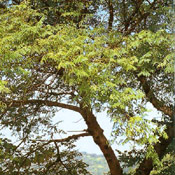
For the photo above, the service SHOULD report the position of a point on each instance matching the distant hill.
(98, 166)
(97, 163)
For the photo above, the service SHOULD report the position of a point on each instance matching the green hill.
(97, 163)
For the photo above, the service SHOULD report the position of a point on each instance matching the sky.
(72, 121)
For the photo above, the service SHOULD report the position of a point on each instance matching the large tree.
(84, 56)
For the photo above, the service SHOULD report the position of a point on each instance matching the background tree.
(84, 56)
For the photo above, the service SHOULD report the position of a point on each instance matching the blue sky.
(72, 121)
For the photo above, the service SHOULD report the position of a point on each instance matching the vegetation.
(97, 164)
(85, 56)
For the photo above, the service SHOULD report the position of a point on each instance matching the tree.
(68, 54)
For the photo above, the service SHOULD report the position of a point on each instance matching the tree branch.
(147, 164)
(129, 21)
(99, 138)
(132, 22)
(72, 137)
(59, 159)
(111, 15)
(18, 103)
(151, 97)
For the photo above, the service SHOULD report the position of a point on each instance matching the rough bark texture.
(152, 99)
(111, 15)
(100, 139)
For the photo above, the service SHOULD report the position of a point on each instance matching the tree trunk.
(99, 138)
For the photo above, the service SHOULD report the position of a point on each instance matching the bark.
(152, 98)
(111, 15)
(19, 103)
(99, 138)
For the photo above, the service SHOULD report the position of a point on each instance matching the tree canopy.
(85, 56)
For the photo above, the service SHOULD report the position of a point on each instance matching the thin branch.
(59, 159)
(148, 2)
(72, 137)
(61, 93)
(130, 19)
(18, 103)
(85, 130)
(56, 161)
(131, 22)
(17, 2)
(47, 142)
(78, 120)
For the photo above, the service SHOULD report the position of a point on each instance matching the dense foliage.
(84, 56)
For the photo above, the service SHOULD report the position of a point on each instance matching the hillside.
(97, 163)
